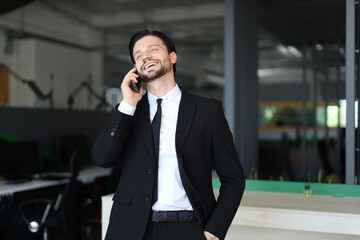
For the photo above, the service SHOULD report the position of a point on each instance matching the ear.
(173, 57)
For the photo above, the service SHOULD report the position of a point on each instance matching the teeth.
(150, 65)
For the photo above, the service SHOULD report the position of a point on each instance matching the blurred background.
(285, 70)
(278, 66)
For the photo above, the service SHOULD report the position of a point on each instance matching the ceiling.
(292, 22)
(311, 21)
(197, 27)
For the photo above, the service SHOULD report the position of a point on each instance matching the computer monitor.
(20, 159)
(66, 145)
(5, 163)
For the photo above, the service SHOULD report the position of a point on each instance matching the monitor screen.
(20, 159)
(67, 144)
(5, 163)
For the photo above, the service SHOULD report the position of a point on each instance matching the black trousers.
(174, 231)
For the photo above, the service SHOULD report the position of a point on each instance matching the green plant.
(320, 178)
(330, 179)
(253, 174)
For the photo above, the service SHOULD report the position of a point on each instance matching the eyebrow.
(149, 46)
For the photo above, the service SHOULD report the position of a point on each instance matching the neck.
(161, 86)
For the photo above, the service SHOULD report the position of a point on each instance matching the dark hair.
(170, 45)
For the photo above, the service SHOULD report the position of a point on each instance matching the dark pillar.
(241, 81)
(350, 93)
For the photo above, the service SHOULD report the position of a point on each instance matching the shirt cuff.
(126, 108)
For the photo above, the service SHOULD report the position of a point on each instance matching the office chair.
(44, 213)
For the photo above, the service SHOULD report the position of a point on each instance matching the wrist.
(131, 102)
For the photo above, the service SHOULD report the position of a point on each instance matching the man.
(167, 143)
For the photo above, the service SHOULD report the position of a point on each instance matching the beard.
(165, 67)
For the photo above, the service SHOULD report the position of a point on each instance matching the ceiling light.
(342, 51)
(289, 51)
(318, 47)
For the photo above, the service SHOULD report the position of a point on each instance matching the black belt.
(172, 216)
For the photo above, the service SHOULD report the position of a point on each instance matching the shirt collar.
(168, 97)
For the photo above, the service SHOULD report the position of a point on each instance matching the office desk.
(323, 216)
(10, 189)
(87, 175)
(277, 216)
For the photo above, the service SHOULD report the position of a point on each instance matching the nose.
(146, 55)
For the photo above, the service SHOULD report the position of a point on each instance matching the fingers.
(129, 96)
(131, 75)
(208, 237)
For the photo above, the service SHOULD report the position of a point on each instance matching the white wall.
(42, 20)
(71, 55)
(3, 56)
(69, 66)
(97, 81)
(37, 59)
(24, 64)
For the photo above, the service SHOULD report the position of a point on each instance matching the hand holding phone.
(136, 86)
(131, 88)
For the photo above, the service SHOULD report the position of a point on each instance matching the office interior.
(286, 71)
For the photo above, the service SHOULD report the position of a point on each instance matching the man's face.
(152, 59)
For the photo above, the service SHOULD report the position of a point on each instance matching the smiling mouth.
(148, 66)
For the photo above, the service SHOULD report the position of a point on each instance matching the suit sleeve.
(231, 176)
(111, 142)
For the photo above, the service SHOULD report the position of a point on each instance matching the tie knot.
(159, 100)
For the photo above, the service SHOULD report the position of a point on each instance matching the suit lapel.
(186, 114)
(142, 115)
(187, 109)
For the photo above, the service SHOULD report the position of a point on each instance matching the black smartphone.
(136, 86)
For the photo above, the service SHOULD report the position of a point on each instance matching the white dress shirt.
(171, 193)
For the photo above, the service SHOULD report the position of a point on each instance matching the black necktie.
(155, 125)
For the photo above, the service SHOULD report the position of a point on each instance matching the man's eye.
(153, 50)
(137, 57)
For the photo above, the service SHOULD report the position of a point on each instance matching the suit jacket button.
(112, 134)
(151, 171)
(147, 198)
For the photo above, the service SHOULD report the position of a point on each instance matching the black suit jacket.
(203, 140)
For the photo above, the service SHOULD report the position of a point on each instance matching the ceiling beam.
(167, 14)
